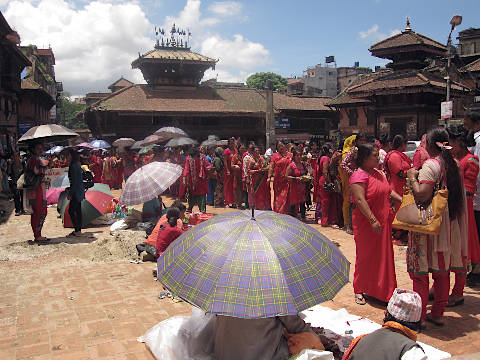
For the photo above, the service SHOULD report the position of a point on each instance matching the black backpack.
(87, 177)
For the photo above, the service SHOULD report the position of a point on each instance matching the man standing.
(472, 123)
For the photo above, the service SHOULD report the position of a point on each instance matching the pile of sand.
(105, 248)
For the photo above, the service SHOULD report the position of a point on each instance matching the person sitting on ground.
(271, 338)
(152, 210)
(397, 337)
(168, 232)
(148, 247)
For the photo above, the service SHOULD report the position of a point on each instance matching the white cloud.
(226, 8)
(374, 33)
(94, 43)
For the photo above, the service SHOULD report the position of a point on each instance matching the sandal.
(435, 321)
(72, 234)
(452, 302)
(335, 226)
(359, 299)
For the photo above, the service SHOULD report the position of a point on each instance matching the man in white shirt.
(471, 122)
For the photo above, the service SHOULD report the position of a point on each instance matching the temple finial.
(408, 28)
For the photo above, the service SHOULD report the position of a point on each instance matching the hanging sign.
(446, 109)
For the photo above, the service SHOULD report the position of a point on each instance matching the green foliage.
(259, 80)
(67, 111)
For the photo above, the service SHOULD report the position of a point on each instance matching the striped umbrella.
(97, 200)
(149, 181)
(253, 267)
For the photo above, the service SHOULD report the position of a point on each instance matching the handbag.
(421, 218)
(333, 186)
(30, 180)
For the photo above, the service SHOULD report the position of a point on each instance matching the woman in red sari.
(259, 186)
(228, 175)
(277, 173)
(421, 154)
(323, 196)
(96, 167)
(296, 187)
(460, 139)
(195, 180)
(397, 164)
(36, 197)
(237, 173)
(371, 191)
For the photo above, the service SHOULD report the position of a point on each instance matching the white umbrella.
(149, 181)
(180, 141)
(170, 132)
(152, 140)
(211, 140)
(49, 132)
(123, 142)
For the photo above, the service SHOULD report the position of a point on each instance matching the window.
(371, 117)
(352, 117)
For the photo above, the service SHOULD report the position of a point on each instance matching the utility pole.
(454, 22)
(269, 118)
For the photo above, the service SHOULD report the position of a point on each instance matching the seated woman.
(168, 232)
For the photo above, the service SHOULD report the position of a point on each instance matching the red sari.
(228, 177)
(259, 186)
(96, 167)
(470, 169)
(195, 172)
(374, 264)
(280, 182)
(296, 188)
(397, 161)
(329, 212)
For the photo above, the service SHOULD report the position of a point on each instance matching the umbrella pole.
(253, 213)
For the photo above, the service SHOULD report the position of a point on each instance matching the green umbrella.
(97, 200)
(146, 149)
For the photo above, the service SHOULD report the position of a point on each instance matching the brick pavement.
(85, 310)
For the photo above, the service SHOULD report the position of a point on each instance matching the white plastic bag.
(182, 337)
(309, 354)
(118, 225)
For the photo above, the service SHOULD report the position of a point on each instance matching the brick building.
(405, 97)
(12, 63)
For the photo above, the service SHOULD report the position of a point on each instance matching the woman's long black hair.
(452, 176)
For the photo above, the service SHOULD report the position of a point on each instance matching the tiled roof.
(122, 82)
(46, 52)
(406, 38)
(285, 102)
(344, 99)
(174, 54)
(472, 67)
(400, 81)
(143, 98)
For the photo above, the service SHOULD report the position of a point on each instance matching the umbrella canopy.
(222, 143)
(61, 181)
(136, 146)
(99, 144)
(84, 145)
(245, 267)
(149, 181)
(180, 141)
(55, 150)
(211, 141)
(123, 142)
(152, 140)
(170, 132)
(50, 133)
(146, 149)
(97, 200)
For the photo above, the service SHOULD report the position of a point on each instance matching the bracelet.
(372, 220)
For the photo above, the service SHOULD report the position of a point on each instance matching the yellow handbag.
(421, 218)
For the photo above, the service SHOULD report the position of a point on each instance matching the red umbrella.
(97, 200)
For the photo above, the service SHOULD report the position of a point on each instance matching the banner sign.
(52, 174)
(446, 109)
(282, 123)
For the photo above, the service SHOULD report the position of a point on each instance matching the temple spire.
(408, 28)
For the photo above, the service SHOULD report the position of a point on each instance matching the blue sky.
(247, 36)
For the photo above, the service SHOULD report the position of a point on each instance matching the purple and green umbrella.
(253, 267)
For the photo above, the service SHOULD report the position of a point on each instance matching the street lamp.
(454, 22)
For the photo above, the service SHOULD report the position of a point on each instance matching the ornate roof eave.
(410, 90)
(136, 63)
(382, 53)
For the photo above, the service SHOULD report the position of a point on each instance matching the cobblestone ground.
(57, 306)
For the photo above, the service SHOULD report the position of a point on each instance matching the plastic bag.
(309, 354)
(182, 337)
(118, 225)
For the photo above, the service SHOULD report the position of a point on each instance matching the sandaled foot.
(435, 320)
(454, 301)
(335, 226)
(72, 234)
(359, 299)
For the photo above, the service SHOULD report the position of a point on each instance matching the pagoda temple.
(405, 97)
(174, 96)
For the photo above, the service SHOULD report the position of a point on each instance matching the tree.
(67, 111)
(259, 80)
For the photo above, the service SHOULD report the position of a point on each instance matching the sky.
(95, 41)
